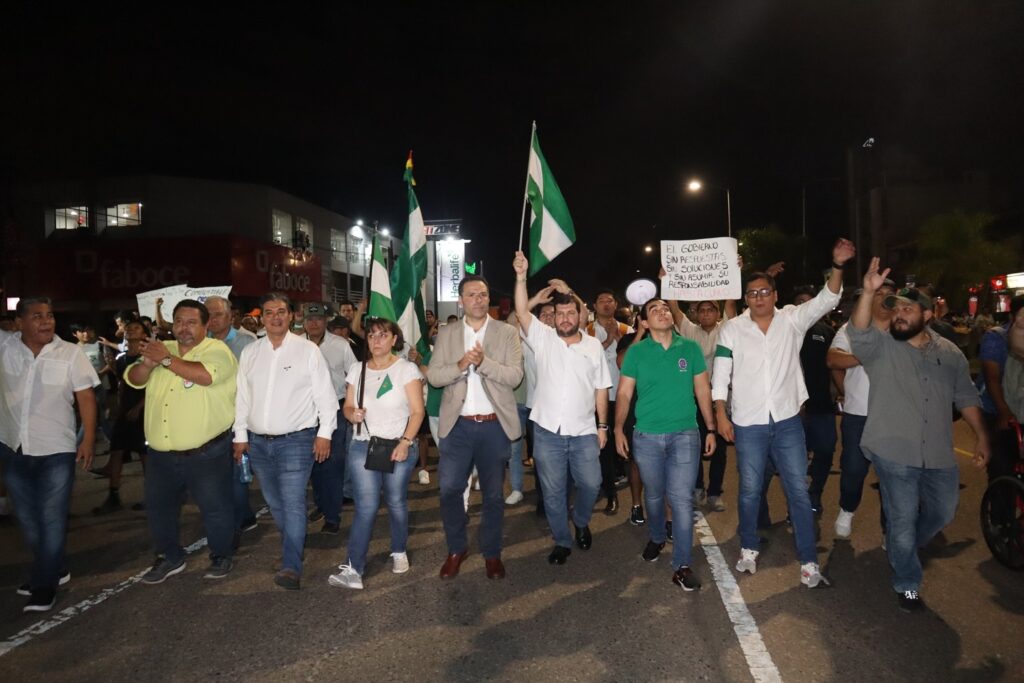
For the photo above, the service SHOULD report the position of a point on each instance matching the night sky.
(631, 99)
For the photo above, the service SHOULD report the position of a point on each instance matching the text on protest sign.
(699, 270)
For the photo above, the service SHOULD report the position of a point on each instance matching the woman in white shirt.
(391, 408)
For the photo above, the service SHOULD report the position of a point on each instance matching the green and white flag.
(380, 305)
(410, 274)
(551, 230)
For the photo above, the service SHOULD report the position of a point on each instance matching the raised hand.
(843, 251)
(775, 268)
(520, 264)
(872, 278)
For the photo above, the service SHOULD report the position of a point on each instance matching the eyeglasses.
(762, 293)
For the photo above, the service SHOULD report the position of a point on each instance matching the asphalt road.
(605, 616)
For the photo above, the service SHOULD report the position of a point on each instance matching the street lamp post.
(696, 185)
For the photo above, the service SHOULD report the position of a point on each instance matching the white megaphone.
(640, 291)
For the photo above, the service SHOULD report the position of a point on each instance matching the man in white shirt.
(572, 384)
(42, 377)
(479, 362)
(286, 411)
(329, 476)
(854, 384)
(758, 354)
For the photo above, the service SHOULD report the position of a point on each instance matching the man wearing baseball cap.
(916, 376)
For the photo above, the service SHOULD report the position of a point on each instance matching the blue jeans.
(240, 497)
(367, 485)
(668, 468)
(40, 487)
(328, 477)
(783, 443)
(282, 465)
(469, 444)
(820, 435)
(556, 456)
(853, 465)
(918, 503)
(207, 477)
(515, 460)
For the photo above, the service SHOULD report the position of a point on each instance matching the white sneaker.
(346, 578)
(399, 563)
(810, 575)
(844, 524)
(424, 477)
(716, 504)
(514, 498)
(748, 561)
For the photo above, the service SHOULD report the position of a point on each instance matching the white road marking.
(759, 660)
(41, 627)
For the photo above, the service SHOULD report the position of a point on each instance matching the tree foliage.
(955, 252)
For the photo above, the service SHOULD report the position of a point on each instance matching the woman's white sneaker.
(346, 578)
(399, 563)
(810, 575)
(748, 561)
(844, 524)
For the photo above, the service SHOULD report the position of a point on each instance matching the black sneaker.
(668, 530)
(583, 538)
(111, 504)
(636, 516)
(249, 523)
(685, 579)
(651, 551)
(316, 515)
(559, 555)
(26, 590)
(910, 601)
(42, 600)
(162, 568)
(219, 568)
(332, 528)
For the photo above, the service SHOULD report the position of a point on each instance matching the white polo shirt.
(339, 356)
(477, 402)
(284, 390)
(856, 384)
(38, 394)
(568, 375)
(764, 368)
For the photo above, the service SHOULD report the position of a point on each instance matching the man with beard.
(572, 383)
(916, 376)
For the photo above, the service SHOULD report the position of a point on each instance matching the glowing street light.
(696, 185)
(648, 249)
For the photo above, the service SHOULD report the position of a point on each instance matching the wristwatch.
(166, 362)
(406, 440)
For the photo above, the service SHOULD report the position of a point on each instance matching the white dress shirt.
(477, 402)
(856, 384)
(339, 356)
(567, 378)
(38, 394)
(764, 368)
(284, 390)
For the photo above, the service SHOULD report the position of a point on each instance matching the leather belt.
(489, 417)
(200, 449)
(271, 437)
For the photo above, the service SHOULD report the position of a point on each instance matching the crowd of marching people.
(595, 397)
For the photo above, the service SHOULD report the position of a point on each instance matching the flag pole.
(366, 353)
(526, 190)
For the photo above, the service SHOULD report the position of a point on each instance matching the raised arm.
(521, 266)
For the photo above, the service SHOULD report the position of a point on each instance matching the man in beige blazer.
(479, 363)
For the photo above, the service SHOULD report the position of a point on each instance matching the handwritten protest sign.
(697, 270)
(171, 297)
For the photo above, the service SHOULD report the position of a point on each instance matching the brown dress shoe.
(450, 568)
(495, 569)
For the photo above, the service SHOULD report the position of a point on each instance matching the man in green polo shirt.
(190, 407)
(667, 372)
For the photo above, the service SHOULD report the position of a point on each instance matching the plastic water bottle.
(246, 474)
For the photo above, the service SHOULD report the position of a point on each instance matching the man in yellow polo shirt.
(190, 406)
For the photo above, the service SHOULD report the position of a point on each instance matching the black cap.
(338, 322)
(910, 295)
(315, 310)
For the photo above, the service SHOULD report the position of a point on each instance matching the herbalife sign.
(450, 267)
